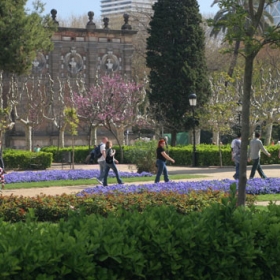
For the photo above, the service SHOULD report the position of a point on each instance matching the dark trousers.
(115, 170)
(256, 166)
(161, 169)
(236, 175)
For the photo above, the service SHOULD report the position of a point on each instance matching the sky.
(67, 8)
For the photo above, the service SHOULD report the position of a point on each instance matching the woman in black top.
(161, 159)
(110, 163)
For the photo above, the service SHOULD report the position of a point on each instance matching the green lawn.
(268, 197)
(86, 182)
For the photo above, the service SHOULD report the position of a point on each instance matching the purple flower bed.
(254, 186)
(53, 175)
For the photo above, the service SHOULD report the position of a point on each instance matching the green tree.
(72, 122)
(224, 13)
(175, 56)
(22, 34)
(243, 26)
(218, 113)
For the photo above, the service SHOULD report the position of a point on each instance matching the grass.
(87, 182)
(268, 197)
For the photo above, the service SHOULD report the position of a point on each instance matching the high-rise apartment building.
(119, 7)
(274, 10)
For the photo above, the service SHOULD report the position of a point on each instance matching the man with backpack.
(100, 154)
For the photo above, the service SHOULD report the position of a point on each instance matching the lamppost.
(192, 100)
(239, 110)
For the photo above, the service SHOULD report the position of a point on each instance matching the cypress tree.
(175, 56)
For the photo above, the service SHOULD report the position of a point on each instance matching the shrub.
(220, 242)
(143, 154)
(18, 159)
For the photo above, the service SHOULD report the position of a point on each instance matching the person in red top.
(162, 156)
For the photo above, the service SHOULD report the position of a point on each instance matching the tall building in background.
(274, 10)
(119, 7)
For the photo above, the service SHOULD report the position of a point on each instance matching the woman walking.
(162, 156)
(110, 163)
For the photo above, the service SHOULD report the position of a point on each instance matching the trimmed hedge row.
(221, 242)
(53, 208)
(208, 155)
(19, 159)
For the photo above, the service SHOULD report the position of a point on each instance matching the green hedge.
(208, 155)
(221, 242)
(53, 208)
(18, 159)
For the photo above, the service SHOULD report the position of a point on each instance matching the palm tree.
(223, 14)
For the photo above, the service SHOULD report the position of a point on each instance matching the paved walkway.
(210, 173)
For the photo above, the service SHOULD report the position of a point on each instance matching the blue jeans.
(161, 169)
(102, 166)
(115, 170)
(257, 166)
(236, 175)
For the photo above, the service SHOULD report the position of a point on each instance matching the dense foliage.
(175, 55)
(53, 208)
(21, 36)
(220, 242)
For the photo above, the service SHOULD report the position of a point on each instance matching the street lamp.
(192, 100)
(239, 110)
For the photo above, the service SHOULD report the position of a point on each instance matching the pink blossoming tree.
(113, 103)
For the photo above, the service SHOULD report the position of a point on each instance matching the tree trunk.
(173, 138)
(61, 137)
(73, 153)
(249, 62)
(93, 135)
(28, 137)
(216, 137)
(120, 140)
(234, 58)
(268, 134)
(220, 155)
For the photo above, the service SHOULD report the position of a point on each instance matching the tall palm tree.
(222, 16)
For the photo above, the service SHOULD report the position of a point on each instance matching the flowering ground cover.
(254, 186)
(53, 175)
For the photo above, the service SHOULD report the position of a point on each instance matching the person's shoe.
(100, 182)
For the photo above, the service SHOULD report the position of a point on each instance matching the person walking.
(162, 156)
(101, 160)
(110, 163)
(254, 154)
(235, 154)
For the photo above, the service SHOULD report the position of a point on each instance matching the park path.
(208, 173)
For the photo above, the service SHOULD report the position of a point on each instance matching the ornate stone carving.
(110, 62)
(90, 24)
(39, 63)
(74, 62)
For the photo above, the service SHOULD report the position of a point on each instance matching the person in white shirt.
(235, 154)
(254, 154)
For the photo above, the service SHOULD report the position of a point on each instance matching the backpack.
(109, 159)
(97, 152)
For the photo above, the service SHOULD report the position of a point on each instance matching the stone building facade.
(78, 53)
